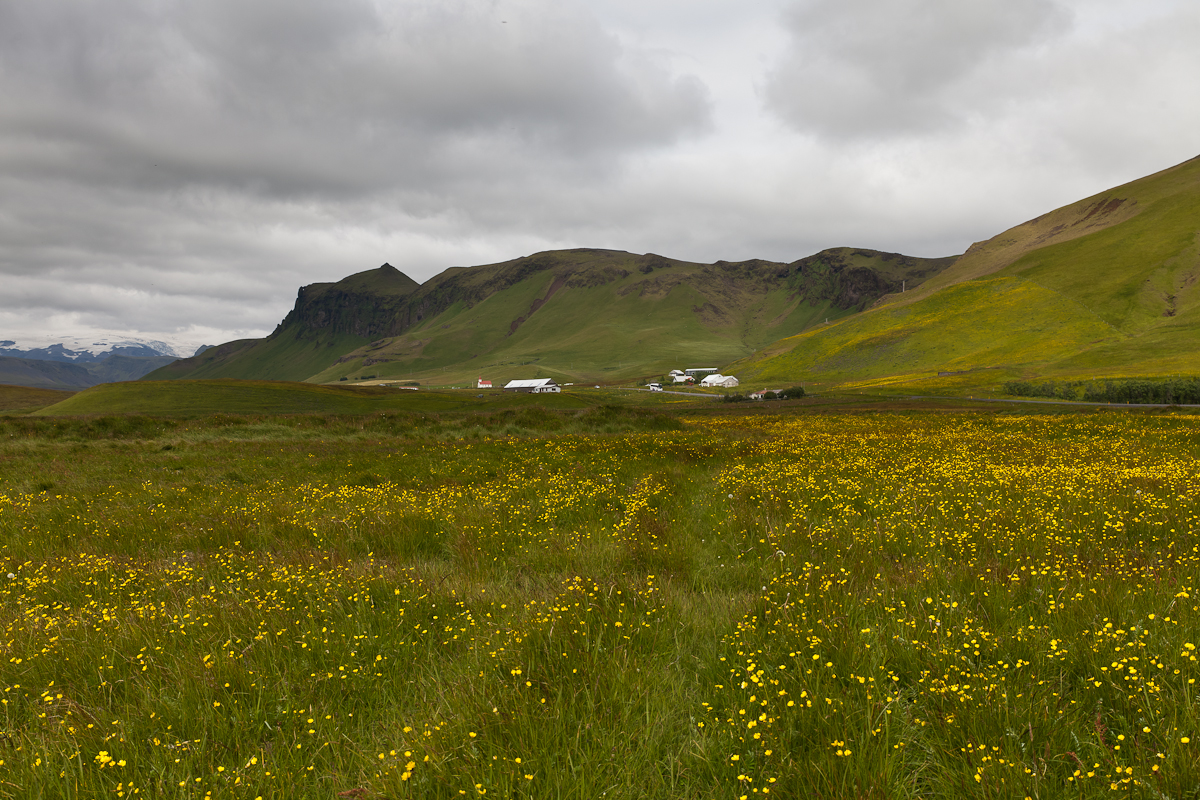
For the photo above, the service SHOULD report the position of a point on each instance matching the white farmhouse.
(534, 386)
(717, 379)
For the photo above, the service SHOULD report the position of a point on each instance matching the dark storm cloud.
(881, 67)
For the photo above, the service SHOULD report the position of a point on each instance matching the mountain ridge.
(536, 310)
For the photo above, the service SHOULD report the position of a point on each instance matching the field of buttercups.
(871, 605)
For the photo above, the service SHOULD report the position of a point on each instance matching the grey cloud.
(178, 169)
(338, 96)
(161, 155)
(876, 68)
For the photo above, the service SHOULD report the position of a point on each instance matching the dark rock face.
(361, 305)
(832, 275)
(355, 313)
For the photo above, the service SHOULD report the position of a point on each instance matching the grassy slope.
(291, 354)
(26, 398)
(1082, 218)
(1095, 288)
(954, 329)
(680, 314)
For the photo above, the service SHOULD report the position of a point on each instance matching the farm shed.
(717, 379)
(534, 385)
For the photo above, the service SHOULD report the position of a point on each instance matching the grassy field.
(615, 602)
(184, 398)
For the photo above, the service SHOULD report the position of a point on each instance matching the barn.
(717, 379)
(534, 385)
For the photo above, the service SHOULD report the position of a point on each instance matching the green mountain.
(576, 315)
(1107, 286)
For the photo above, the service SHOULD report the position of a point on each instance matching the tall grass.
(885, 605)
(532, 420)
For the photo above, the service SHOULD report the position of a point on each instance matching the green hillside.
(1105, 286)
(588, 315)
(291, 353)
(576, 315)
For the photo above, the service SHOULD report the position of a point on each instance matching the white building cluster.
(708, 376)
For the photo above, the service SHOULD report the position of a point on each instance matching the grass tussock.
(609, 603)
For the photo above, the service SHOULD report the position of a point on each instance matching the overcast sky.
(176, 170)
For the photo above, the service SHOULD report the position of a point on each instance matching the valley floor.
(622, 604)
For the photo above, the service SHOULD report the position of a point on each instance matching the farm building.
(483, 384)
(697, 372)
(678, 376)
(535, 385)
(717, 379)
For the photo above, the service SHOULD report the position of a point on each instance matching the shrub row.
(793, 393)
(1114, 390)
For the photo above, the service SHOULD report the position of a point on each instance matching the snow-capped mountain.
(83, 350)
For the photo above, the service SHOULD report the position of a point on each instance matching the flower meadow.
(879, 605)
